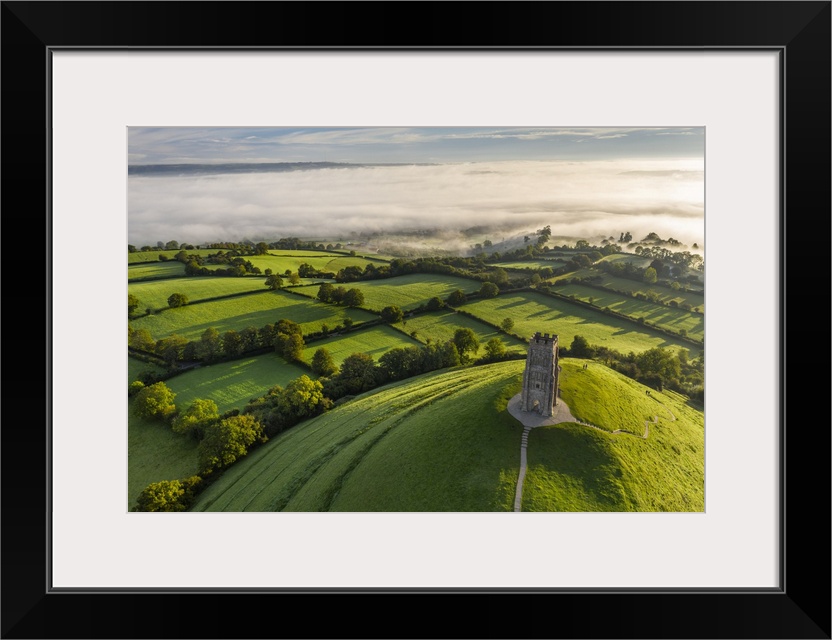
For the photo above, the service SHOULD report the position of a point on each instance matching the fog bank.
(582, 199)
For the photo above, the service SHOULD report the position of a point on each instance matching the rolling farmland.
(375, 341)
(439, 326)
(155, 293)
(407, 291)
(253, 310)
(661, 315)
(533, 312)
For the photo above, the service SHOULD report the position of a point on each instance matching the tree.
(489, 290)
(227, 440)
(650, 275)
(507, 324)
(392, 314)
(288, 339)
(322, 363)
(261, 249)
(232, 343)
(354, 298)
(302, 398)
(196, 418)
(173, 245)
(659, 362)
(495, 349)
(171, 349)
(142, 340)
(274, 282)
(580, 348)
(210, 345)
(177, 300)
(358, 373)
(456, 298)
(250, 339)
(155, 402)
(132, 303)
(168, 495)
(325, 292)
(294, 278)
(435, 303)
(466, 341)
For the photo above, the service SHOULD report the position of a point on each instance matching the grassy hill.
(438, 442)
(444, 442)
(576, 468)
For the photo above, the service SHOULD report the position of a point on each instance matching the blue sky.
(181, 145)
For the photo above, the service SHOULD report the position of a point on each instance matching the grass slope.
(155, 453)
(438, 442)
(192, 320)
(440, 326)
(661, 315)
(577, 468)
(155, 293)
(407, 291)
(232, 384)
(533, 312)
(375, 341)
(155, 270)
(625, 284)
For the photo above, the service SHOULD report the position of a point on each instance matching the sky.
(580, 181)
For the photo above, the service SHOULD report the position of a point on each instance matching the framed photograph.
(719, 112)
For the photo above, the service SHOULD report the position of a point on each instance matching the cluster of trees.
(281, 408)
(340, 295)
(222, 440)
(172, 245)
(359, 372)
(284, 336)
(656, 368)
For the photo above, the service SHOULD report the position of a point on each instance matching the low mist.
(503, 199)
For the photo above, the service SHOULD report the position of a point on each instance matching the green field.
(375, 341)
(136, 367)
(440, 326)
(442, 441)
(254, 310)
(666, 294)
(232, 384)
(170, 269)
(156, 453)
(153, 256)
(529, 264)
(660, 315)
(407, 292)
(155, 293)
(534, 312)
(577, 468)
(628, 257)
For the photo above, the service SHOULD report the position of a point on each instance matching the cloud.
(581, 198)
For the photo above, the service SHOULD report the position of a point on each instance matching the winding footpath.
(531, 420)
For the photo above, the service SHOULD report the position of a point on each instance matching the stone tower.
(540, 379)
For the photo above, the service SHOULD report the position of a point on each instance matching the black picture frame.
(799, 608)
